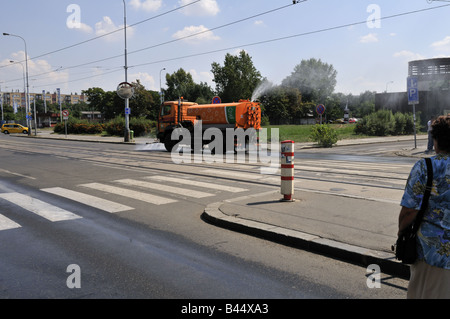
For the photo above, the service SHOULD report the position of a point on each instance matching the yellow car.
(14, 128)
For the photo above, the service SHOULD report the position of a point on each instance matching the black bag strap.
(426, 195)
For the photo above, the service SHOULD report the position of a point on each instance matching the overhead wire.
(242, 45)
(285, 37)
(156, 45)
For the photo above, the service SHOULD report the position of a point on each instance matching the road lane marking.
(149, 198)
(164, 188)
(93, 201)
(6, 223)
(16, 174)
(43, 209)
(199, 184)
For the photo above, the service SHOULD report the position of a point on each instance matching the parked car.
(14, 128)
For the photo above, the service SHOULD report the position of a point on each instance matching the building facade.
(433, 81)
(19, 98)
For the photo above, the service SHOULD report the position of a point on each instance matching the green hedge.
(75, 126)
(384, 122)
(139, 126)
(114, 127)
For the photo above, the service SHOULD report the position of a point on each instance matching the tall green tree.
(179, 84)
(141, 102)
(315, 79)
(237, 78)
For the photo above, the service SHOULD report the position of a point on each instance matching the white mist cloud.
(146, 5)
(146, 80)
(443, 45)
(408, 55)
(107, 25)
(44, 71)
(369, 38)
(79, 27)
(202, 8)
(204, 34)
(202, 76)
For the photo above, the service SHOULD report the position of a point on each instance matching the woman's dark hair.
(441, 132)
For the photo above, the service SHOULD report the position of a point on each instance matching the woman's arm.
(406, 218)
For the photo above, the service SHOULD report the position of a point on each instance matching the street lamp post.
(387, 85)
(160, 90)
(24, 85)
(127, 121)
(26, 66)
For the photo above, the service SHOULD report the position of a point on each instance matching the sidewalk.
(347, 228)
(352, 229)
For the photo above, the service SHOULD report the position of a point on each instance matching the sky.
(78, 44)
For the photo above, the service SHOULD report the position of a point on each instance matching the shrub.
(115, 126)
(383, 122)
(140, 126)
(324, 135)
(400, 124)
(76, 126)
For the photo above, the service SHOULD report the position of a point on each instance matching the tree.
(315, 79)
(237, 79)
(141, 102)
(95, 97)
(283, 105)
(178, 85)
(181, 84)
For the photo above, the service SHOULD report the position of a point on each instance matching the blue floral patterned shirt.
(434, 232)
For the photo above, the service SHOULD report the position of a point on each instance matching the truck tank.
(243, 114)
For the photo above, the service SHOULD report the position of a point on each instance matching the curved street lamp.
(26, 66)
(127, 121)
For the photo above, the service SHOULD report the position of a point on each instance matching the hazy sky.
(369, 43)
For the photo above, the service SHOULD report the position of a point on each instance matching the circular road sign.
(320, 109)
(216, 100)
(65, 113)
(125, 90)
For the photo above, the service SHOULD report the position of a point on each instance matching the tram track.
(340, 174)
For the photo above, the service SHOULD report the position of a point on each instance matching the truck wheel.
(169, 143)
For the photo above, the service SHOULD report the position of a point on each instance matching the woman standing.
(430, 274)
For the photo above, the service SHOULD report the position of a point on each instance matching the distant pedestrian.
(430, 274)
(430, 138)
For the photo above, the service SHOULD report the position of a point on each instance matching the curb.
(312, 243)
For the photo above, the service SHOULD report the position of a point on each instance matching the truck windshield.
(165, 110)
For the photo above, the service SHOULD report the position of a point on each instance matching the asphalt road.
(152, 246)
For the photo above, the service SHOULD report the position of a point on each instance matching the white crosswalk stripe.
(93, 201)
(149, 198)
(164, 188)
(6, 223)
(198, 184)
(137, 189)
(43, 209)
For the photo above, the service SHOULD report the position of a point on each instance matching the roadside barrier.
(287, 170)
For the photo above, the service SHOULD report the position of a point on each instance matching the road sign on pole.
(413, 90)
(413, 98)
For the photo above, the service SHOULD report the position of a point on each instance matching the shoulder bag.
(406, 245)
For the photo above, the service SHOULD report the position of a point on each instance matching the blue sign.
(320, 109)
(127, 110)
(413, 90)
(216, 100)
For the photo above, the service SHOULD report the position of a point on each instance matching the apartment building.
(19, 98)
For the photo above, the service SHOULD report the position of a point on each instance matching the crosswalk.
(173, 189)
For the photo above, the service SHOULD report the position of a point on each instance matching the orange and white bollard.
(287, 170)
